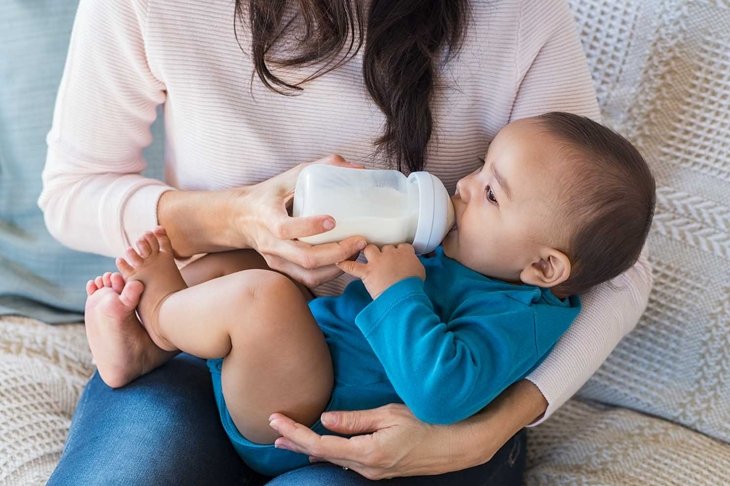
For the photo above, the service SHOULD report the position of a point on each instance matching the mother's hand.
(393, 443)
(256, 217)
(265, 226)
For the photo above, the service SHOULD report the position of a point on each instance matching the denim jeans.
(164, 429)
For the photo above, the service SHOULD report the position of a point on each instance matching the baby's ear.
(551, 268)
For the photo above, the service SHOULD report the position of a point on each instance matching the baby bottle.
(383, 206)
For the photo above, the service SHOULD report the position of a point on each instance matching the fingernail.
(328, 419)
(273, 424)
(362, 244)
(328, 224)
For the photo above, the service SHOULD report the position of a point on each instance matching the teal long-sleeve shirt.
(452, 343)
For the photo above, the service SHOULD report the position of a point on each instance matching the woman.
(406, 84)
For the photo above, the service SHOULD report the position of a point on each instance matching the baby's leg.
(214, 265)
(121, 347)
(275, 356)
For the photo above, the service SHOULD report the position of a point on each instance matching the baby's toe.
(133, 258)
(117, 282)
(131, 293)
(124, 267)
(151, 240)
(143, 248)
(91, 287)
(164, 241)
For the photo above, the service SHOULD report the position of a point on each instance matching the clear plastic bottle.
(383, 206)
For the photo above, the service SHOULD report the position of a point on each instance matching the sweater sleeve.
(554, 76)
(610, 311)
(94, 198)
(447, 371)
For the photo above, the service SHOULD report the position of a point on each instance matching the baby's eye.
(490, 195)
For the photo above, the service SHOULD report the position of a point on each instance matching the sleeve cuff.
(139, 213)
(551, 408)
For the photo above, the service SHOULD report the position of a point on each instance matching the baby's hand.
(385, 267)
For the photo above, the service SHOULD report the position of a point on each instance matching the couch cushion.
(588, 443)
(43, 370)
(662, 70)
(38, 276)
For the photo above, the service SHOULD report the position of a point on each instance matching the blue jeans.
(164, 429)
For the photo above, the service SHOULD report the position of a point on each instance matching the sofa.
(656, 413)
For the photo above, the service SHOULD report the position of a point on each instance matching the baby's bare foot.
(153, 264)
(118, 342)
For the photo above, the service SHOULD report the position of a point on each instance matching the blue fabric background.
(38, 276)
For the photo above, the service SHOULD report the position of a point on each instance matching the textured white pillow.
(662, 71)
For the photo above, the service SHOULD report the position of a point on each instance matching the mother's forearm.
(395, 443)
(201, 221)
(610, 310)
(486, 432)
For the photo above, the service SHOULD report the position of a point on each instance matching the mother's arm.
(96, 200)
(610, 311)
(94, 197)
(256, 217)
(391, 442)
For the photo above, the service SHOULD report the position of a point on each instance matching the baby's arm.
(444, 372)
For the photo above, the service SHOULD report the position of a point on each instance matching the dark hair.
(406, 42)
(609, 203)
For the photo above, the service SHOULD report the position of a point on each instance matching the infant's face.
(505, 211)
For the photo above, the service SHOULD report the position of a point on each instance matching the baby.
(560, 204)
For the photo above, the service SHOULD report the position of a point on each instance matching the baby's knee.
(269, 301)
(268, 287)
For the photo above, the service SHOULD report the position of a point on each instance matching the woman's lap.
(161, 429)
(505, 469)
(164, 429)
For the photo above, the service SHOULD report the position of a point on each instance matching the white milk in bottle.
(383, 206)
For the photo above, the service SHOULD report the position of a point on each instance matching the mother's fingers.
(288, 228)
(287, 178)
(338, 160)
(315, 256)
(309, 277)
(304, 440)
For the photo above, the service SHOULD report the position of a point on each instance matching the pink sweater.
(126, 57)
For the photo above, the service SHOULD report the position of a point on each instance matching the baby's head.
(561, 202)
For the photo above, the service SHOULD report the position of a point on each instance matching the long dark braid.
(406, 42)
